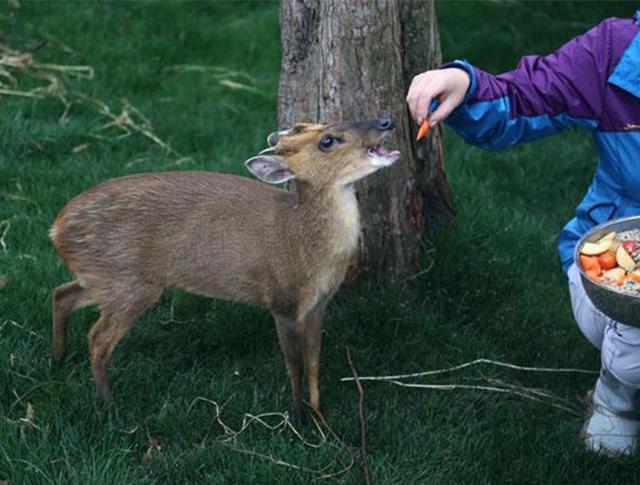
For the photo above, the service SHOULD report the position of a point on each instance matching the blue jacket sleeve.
(543, 95)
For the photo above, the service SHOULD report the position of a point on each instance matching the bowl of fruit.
(609, 260)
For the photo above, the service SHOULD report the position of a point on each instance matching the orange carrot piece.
(590, 263)
(593, 274)
(423, 131)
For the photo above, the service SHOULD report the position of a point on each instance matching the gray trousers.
(619, 344)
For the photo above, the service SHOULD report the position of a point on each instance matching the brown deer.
(224, 236)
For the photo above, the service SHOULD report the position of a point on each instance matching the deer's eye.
(327, 142)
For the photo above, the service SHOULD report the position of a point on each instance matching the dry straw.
(51, 79)
(225, 77)
(19, 68)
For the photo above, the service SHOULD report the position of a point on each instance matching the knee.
(621, 354)
(629, 376)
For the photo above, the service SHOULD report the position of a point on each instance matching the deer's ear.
(268, 151)
(269, 169)
(274, 137)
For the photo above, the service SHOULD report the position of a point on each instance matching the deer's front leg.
(312, 345)
(291, 338)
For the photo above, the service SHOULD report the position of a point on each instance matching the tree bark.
(354, 60)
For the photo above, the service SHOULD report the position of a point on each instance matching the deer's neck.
(331, 219)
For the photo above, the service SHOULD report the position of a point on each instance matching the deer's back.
(175, 229)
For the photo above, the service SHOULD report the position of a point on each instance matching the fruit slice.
(629, 246)
(624, 260)
(635, 276)
(609, 237)
(596, 248)
(614, 274)
(607, 260)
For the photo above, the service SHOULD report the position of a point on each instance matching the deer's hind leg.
(117, 317)
(66, 298)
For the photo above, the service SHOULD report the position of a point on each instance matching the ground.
(490, 286)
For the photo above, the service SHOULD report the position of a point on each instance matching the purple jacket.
(592, 82)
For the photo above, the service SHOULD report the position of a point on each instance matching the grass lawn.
(495, 289)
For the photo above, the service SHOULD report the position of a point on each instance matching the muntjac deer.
(224, 236)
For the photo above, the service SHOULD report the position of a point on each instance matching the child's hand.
(449, 86)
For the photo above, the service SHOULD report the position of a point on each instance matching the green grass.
(495, 290)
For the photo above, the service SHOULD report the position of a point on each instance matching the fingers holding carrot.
(448, 86)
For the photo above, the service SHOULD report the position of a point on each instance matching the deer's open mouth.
(381, 156)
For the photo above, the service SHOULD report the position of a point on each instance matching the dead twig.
(284, 423)
(52, 78)
(4, 227)
(316, 473)
(470, 364)
(24, 94)
(129, 120)
(363, 431)
(494, 385)
(154, 448)
(29, 420)
(432, 262)
(236, 86)
(216, 72)
(331, 431)
(522, 392)
(544, 397)
(249, 419)
(335, 436)
(21, 327)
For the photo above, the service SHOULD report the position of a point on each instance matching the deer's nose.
(386, 124)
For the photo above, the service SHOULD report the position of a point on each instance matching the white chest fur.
(347, 220)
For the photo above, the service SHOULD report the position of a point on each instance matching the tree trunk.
(354, 60)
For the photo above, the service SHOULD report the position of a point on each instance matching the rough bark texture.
(351, 60)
